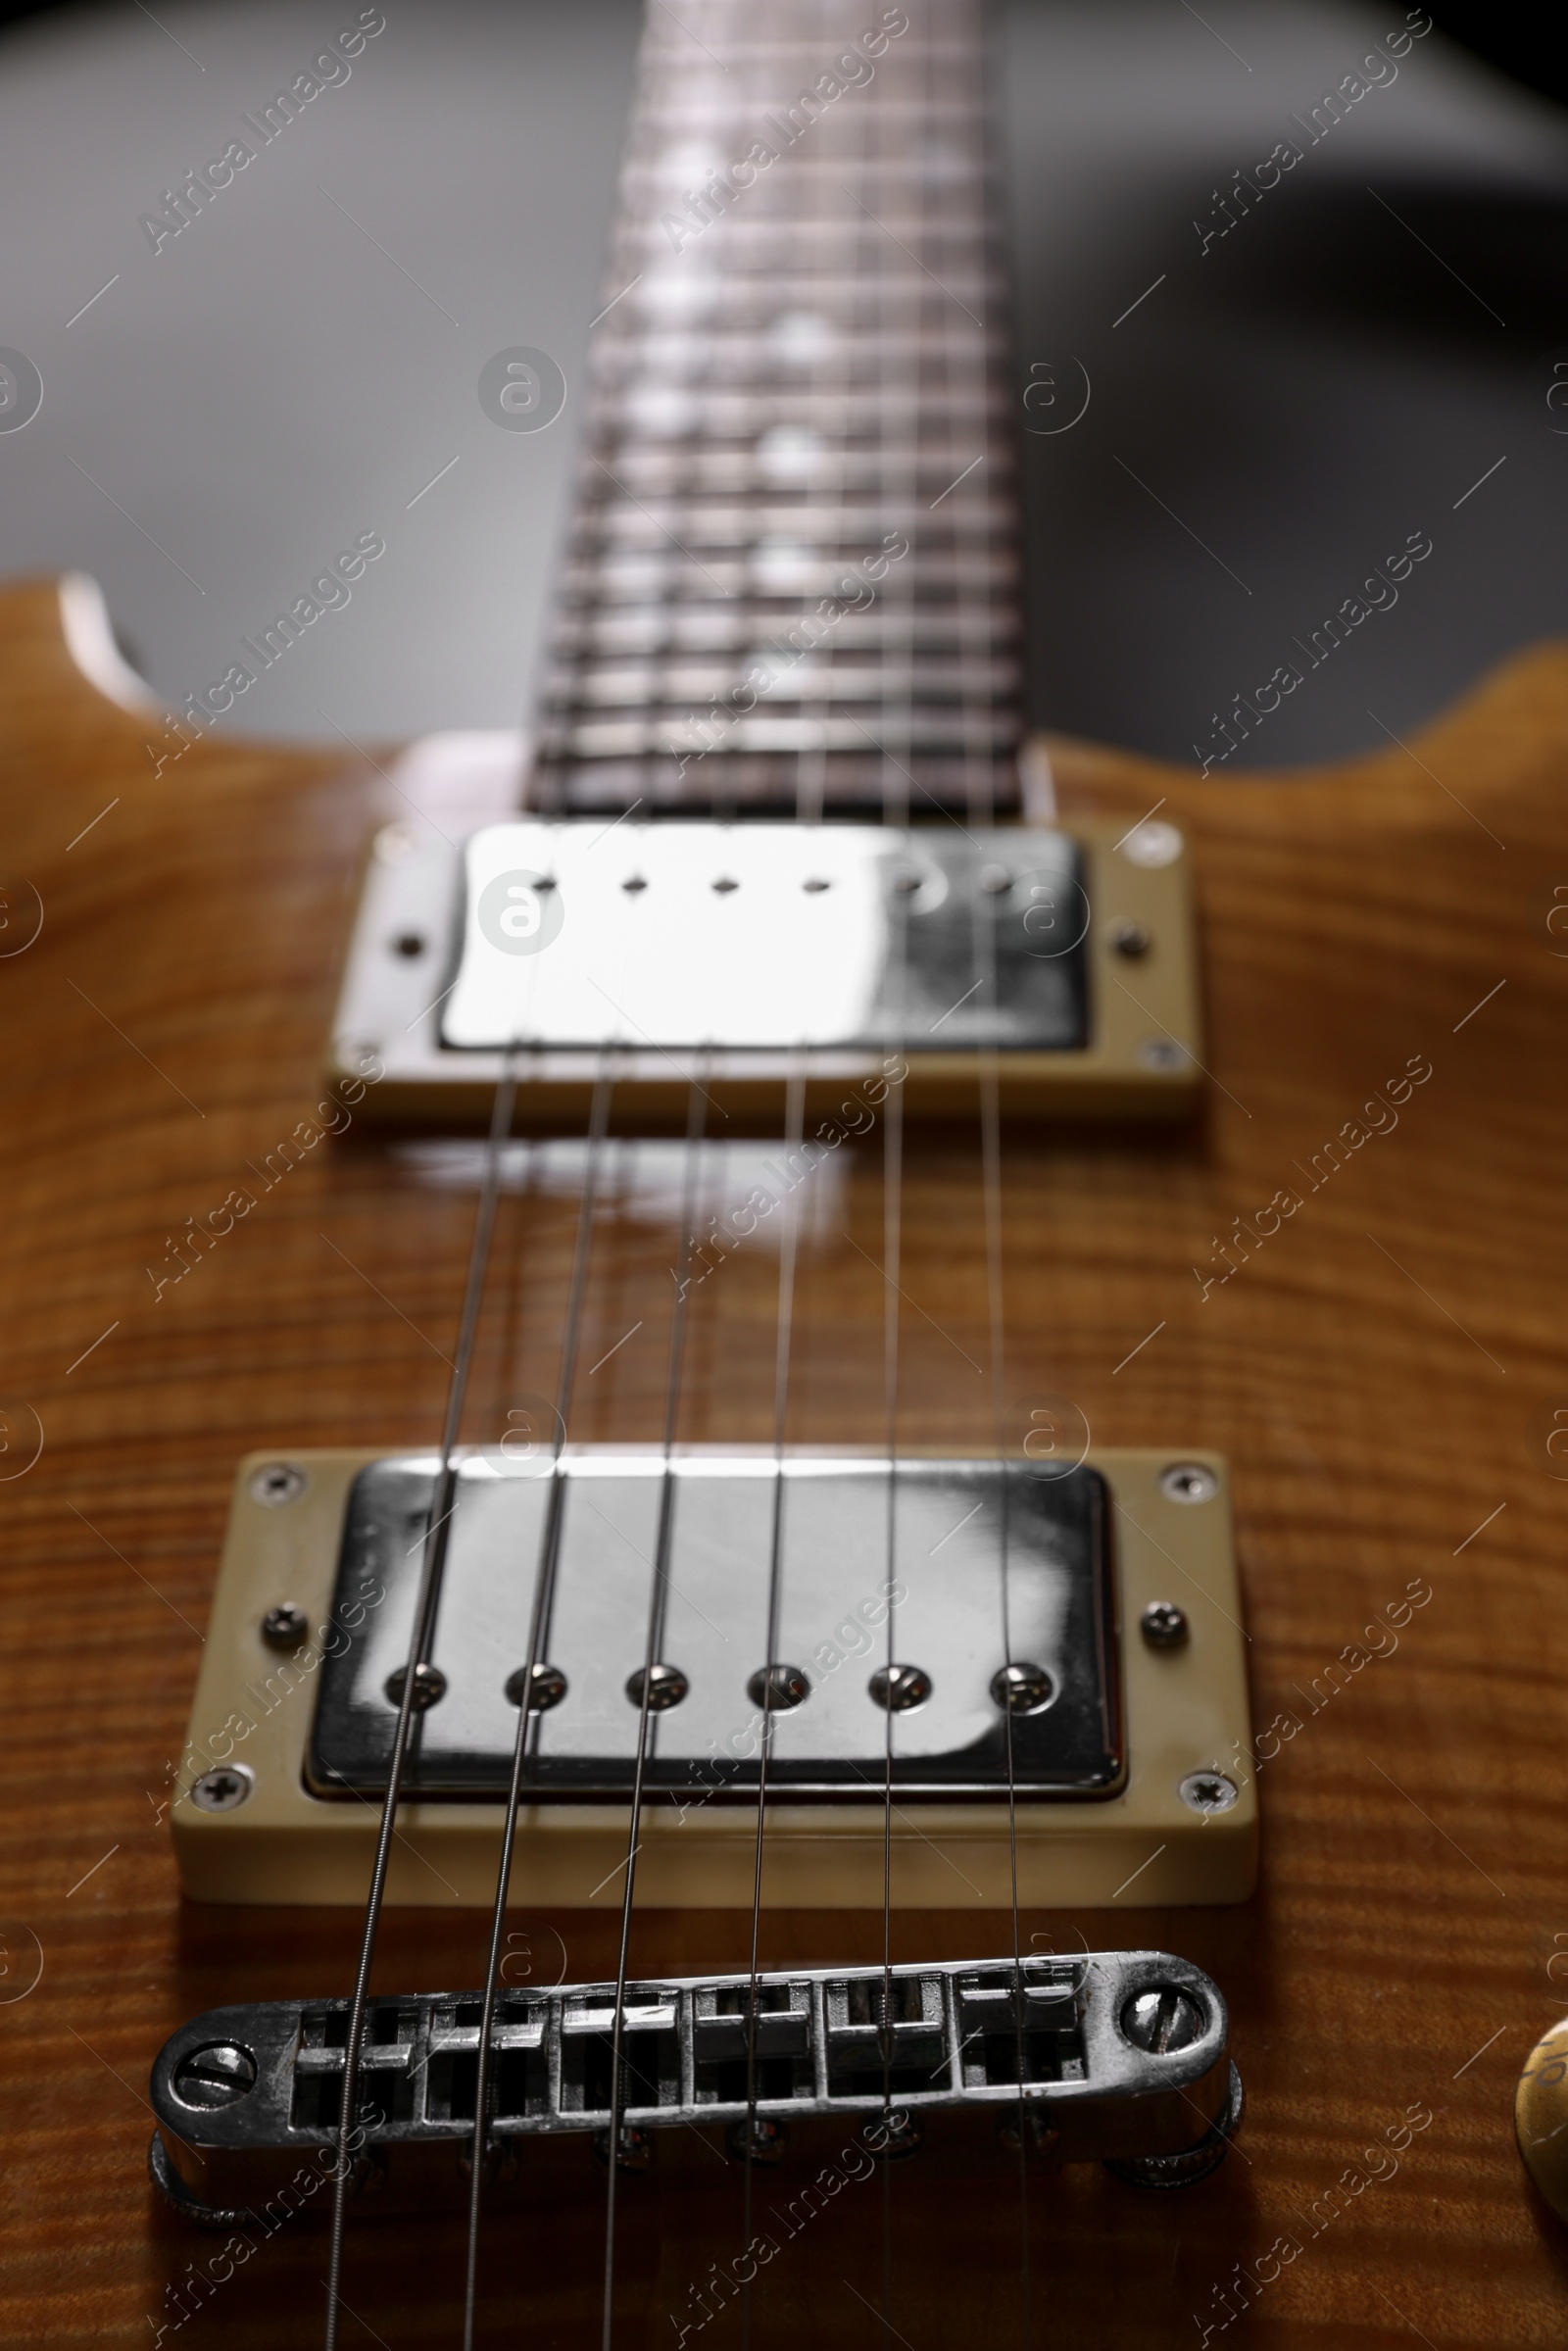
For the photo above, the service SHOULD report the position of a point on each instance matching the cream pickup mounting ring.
(739, 954)
(1108, 1734)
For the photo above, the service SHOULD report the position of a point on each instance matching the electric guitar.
(885, 1393)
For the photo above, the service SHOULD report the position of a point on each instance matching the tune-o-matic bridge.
(1119, 2056)
(736, 956)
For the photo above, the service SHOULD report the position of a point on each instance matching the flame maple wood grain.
(1380, 1372)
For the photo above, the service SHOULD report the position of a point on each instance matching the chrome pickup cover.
(955, 1531)
(1121, 2053)
(768, 937)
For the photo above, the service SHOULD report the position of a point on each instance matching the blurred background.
(1366, 354)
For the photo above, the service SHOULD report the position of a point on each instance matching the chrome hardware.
(285, 1625)
(1023, 1688)
(896, 1688)
(1189, 1482)
(429, 1687)
(222, 1791)
(666, 1684)
(1163, 1625)
(1207, 1791)
(831, 936)
(833, 1605)
(219, 2075)
(778, 1688)
(277, 1483)
(549, 1688)
(1109, 2056)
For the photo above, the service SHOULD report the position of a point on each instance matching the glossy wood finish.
(1377, 1370)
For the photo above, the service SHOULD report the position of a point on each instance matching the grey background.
(278, 379)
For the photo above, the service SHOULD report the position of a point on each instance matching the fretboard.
(792, 584)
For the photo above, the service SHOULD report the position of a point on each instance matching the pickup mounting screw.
(898, 1688)
(1131, 939)
(276, 1482)
(1163, 1625)
(1208, 1791)
(222, 1791)
(284, 1627)
(725, 884)
(429, 1687)
(219, 2075)
(816, 886)
(778, 1686)
(1162, 2019)
(1188, 1481)
(1023, 1689)
(633, 884)
(549, 1688)
(667, 1687)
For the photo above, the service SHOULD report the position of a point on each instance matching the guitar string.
(902, 306)
(697, 1104)
(433, 1567)
(529, 1714)
(794, 1127)
(810, 781)
(972, 359)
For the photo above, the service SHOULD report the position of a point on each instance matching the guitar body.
(1381, 1366)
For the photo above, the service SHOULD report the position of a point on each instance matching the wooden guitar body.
(1381, 1360)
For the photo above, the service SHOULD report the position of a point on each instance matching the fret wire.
(436, 1543)
(527, 1713)
(697, 1102)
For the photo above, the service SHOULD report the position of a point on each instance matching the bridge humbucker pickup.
(1122, 1669)
(1118, 2055)
(737, 954)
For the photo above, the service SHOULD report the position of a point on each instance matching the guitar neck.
(792, 583)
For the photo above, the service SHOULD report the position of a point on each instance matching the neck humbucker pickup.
(1120, 2056)
(737, 956)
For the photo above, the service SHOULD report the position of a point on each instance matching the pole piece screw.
(549, 1687)
(1023, 1689)
(898, 1688)
(667, 1687)
(778, 1686)
(429, 1687)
